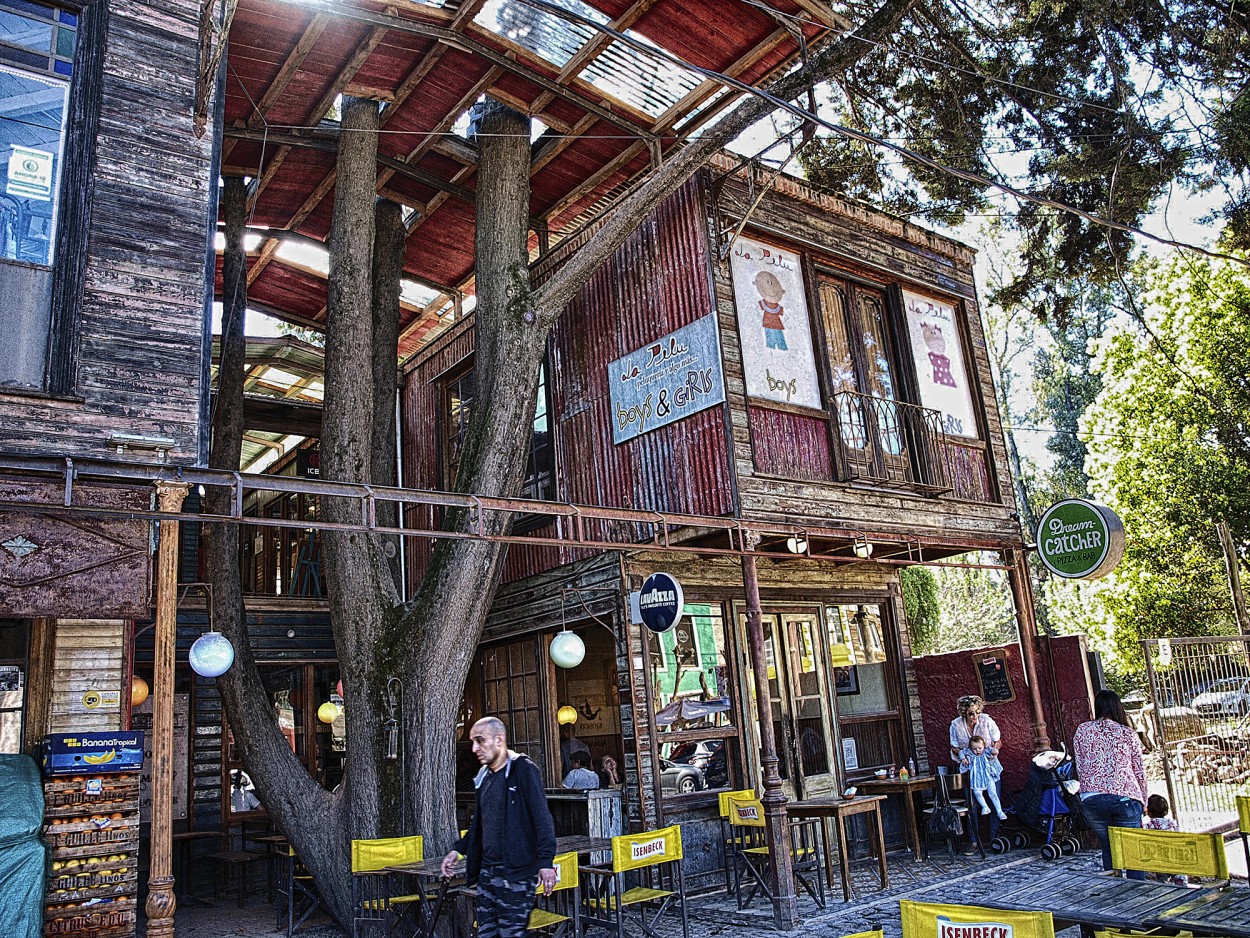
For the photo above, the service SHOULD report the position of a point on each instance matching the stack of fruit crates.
(91, 825)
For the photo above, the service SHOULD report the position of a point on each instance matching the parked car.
(678, 778)
(1229, 696)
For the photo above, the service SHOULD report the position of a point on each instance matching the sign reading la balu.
(1079, 539)
(666, 380)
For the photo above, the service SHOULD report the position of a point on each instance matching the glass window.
(868, 688)
(13, 670)
(539, 480)
(693, 698)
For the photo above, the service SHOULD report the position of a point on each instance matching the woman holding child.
(971, 723)
(1113, 777)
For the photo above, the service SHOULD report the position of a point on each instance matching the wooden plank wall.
(141, 364)
(886, 250)
(87, 655)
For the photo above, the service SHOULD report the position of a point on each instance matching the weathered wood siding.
(142, 364)
(87, 657)
(782, 460)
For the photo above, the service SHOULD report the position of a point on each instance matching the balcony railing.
(890, 442)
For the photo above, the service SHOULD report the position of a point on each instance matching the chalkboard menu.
(993, 677)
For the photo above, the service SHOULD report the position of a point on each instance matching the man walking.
(511, 839)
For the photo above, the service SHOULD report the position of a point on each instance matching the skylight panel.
(306, 255)
(646, 82)
(545, 34)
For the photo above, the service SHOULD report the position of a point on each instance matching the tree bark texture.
(388, 268)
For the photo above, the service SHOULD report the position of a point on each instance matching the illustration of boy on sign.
(771, 291)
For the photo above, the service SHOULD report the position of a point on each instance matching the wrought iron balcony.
(887, 442)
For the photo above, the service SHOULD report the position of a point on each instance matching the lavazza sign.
(1079, 539)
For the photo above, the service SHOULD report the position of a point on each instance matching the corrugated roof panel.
(646, 82)
(545, 34)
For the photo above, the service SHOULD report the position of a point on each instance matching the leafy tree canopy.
(1100, 105)
(1168, 450)
(920, 602)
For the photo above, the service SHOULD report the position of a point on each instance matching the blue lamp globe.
(211, 655)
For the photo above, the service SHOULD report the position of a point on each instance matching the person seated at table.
(580, 776)
(983, 776)
(609, 774)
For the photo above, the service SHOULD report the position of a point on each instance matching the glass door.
(799, 683)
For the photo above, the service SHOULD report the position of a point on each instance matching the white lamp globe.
(567, 649)
(211, 655)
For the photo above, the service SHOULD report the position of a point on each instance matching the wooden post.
(776, 829)
(1232, 564)
(1022, 594)
(161, 903)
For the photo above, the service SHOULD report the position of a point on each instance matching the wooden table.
(909, 789)
(1094, 899)
(839, 809)
(1213, 912)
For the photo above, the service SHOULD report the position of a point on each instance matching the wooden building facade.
(106, 251)
(825, 371)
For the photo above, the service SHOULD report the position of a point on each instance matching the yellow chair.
(374, 898)
(727, 834)
(1168, 852)
(875, 933)
(1243, 824)
(646, 876)
(560, 913)
(920, 919)
(751, 853)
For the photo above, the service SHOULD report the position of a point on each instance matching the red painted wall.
(943, 679)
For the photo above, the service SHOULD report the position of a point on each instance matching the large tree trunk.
(388, 269)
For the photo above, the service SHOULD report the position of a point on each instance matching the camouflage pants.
(503, 906)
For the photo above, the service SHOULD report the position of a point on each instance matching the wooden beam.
(267, 252)
(629, 153)
(553, 149)
(825, 15)
(316, 26)
(326, 101)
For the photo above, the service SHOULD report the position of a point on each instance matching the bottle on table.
(903, 774)
(911, 767)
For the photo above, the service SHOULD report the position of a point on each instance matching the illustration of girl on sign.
(771, 291)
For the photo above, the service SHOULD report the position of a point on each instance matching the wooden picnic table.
(1224, 912)
(1076, 898)
(838, 810)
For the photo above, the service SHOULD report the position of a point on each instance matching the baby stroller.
(1048, 808)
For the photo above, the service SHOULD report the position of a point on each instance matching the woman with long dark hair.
(1113, 777)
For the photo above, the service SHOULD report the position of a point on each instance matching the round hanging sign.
(1079, 539)
(660, 602)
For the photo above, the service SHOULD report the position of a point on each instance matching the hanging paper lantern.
(338, 688)
(328, 712)
(566, 715)
(139, 691)
(567, 649)
(211, 655)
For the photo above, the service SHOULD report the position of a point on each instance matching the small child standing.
(983, 776)
(1157, 819)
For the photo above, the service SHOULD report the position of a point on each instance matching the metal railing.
(890, 442)
(1196, 726)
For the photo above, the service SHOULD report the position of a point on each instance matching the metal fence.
(1197, 726)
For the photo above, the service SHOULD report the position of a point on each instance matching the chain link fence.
(1196, 726)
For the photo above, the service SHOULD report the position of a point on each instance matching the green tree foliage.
(920, 602)
(1169, 447)
(1100, 105)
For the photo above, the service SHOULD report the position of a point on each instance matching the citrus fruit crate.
(118, 878)
(78, 795)
(92, 916)
(89, 840)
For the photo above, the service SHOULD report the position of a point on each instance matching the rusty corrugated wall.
(658, 281)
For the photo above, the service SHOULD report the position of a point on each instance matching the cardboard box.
(92, 753)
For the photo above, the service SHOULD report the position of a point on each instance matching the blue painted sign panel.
(661, 601)
(666, 380)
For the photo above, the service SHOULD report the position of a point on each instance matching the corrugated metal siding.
(655, 283)
(792, 446)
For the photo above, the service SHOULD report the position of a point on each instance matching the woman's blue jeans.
(1103, 811)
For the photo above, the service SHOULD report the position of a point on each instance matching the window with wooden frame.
(694, 715)
(14, 672)
(50, 83)
(458, 396)
(514, 690)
